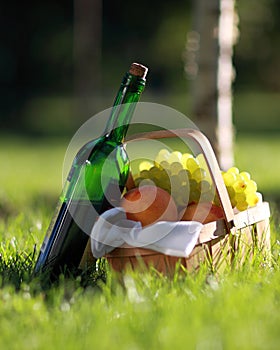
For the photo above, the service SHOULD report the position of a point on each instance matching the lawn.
(236, 309)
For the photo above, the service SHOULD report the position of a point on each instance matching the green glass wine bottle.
(95, 183)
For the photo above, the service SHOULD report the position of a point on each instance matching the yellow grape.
(239, 186)
(185, 157)
(251, 186)
(157, 182)
(234, 170)
(207, 196)
(240, 197)
(193, 185)
(202, 161)
(162, 155)
(163, 165)
(178, 154)
(182, 196)
(241, 206)
(233, 202)
(199, 174)
(184, 175)
(231, 194)
(245, 175)
(194, 195)
(252, 199)
(164, 184)
(175, 157)
(175, 183)
(229, 178)
(230, 191)
(205, 186)
(145, 165)
(192, 164)
(145, 174)
(154, 172)
(164, 174)
(176, 167)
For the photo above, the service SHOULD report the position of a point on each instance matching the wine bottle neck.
(129, 94)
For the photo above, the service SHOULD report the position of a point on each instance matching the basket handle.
(206, 149)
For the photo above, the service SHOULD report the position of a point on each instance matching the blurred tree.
(209, 64)
(35, 56)
(152, 32)
(37, 64)
(257, 54)
(87, 51)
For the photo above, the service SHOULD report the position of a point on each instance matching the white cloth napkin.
(112, 230)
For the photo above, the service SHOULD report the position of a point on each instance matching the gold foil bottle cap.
(138, 70)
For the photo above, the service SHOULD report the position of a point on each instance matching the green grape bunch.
(181, 174)
(242, 190)
(188, 180)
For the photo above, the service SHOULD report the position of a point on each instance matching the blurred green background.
(41, 99)
(38, 67)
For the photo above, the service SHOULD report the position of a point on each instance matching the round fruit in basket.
(203, 212)
(149, 204)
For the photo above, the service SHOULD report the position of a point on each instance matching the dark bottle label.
(69, 232)
(67, 238)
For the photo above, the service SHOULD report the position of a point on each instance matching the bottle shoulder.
(85, 151)
(97, 149)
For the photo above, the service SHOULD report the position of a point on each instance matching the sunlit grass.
(234, 309)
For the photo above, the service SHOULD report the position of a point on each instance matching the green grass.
(260, 156)
(238, 312)
(236, 309)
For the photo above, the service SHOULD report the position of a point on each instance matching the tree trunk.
(227, 38)
(209, 64)
(87, 52)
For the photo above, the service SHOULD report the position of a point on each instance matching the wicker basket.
(220, 240)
